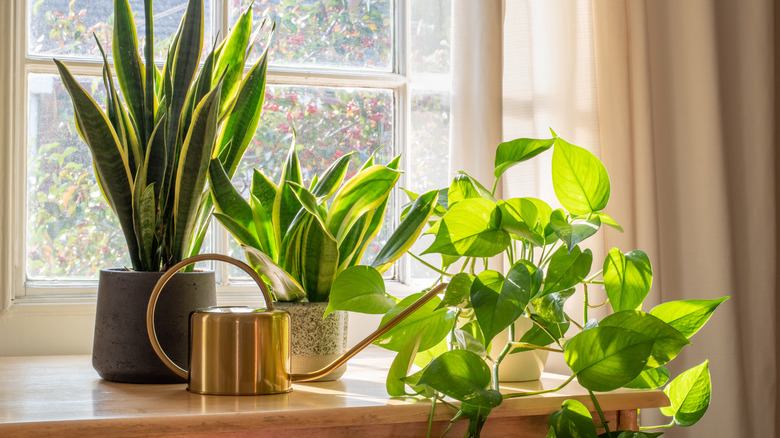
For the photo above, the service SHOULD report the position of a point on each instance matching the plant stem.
(495, 186)
(595, 306)
(593, 282)
(589, 279)
(430, 266)
(430, 416)
(663, 426)
(585, 305)
(535, 347)
(545, 391)
(472, 268)
(601, 413)
(504, 352)
(575, 323)
(465, 263)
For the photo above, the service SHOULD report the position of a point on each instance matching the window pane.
(71, 231)
(329, 122)
(331, 33)
(64, 28)
(430, 36)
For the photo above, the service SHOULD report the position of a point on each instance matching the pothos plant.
(301, 236)
(152, 146)
(449, 338)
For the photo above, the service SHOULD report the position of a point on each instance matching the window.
(348, 75)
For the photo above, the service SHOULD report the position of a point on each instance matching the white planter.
(315, 342)
(518, 367)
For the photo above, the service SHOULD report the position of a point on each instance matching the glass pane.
(430, 36)
(331, 33)
(71, 231)
(64, 28)
(329, 122)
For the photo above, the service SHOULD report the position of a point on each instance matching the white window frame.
(57, 318)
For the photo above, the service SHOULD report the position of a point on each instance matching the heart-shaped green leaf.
(470, 228)
(435, 324)
(550, 306)
(470, 338)
(520, 217)
(458, 291)
(542, 333)
(463, 187)
(497, 301)
(687, 316)
(627, 279)
(668, 341)
(650, 378)
(359, 289)
(463, 376)
(580, 180)
(516, 151)
(401, 365)
(572, 421)
(576, 231)
(606, 358)
(689, 395)
(566, 269)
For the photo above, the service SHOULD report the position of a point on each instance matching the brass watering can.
(236, 350)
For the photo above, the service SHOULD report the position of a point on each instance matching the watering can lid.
(237, 310)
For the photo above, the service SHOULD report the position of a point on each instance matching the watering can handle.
(181, 372)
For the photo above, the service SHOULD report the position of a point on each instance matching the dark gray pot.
(121, 351)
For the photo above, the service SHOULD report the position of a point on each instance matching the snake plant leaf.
(360, 289)
(242, 235)
(264, 229)
(286, 205)
(332, 178)
(463, 187)
(241, 123)
(499, 301)
(365, 191)
(127, 61)
(516, 151)
(110, 162)
(283, 287)
(458, 291)
(689, 395)
(471, 228)
(318, 255)
(407, 232)
(150, 73)
(200, 87)
(463, 376)
(144, 218)
(350, 244)
(550, 306)
(580, 180)
(650, 378)
(566, 269)
(606, 358)
(226, 198)
(231, 59)
(264, 190)
(572, 421)
(668, 341)
(436, 324)
(184, 64)
(402, 364)
(192, 170)
(520, 217)
(687, 316)
(575, 232)
(627, 279)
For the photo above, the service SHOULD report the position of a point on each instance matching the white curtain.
(678, 98)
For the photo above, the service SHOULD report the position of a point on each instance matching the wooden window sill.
(63, 396)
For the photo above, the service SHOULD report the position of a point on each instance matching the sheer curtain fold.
(679, 99)
(687, 113)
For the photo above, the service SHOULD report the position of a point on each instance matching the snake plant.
(152, 145)
(301, 237)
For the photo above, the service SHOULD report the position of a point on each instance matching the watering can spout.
(307, 377)
(244, 351)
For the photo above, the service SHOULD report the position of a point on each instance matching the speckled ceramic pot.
(315, 342)
(121, 350)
